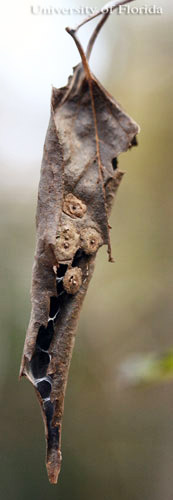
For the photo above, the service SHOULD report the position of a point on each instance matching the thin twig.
(81, 52)
(95, 34)
(110, 6)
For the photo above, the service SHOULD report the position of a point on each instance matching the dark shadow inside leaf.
(44, 336)
(114, 163)
(39, 363)
(44, 388)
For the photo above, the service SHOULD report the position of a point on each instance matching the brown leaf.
(79, 177)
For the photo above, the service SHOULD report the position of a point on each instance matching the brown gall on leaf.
(67, 243)
(74, 207)
(72, 280)
(90, 240)
(87, 131)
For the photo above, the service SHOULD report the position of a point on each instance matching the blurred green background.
(117, 438)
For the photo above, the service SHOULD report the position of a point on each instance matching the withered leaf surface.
(79, 177)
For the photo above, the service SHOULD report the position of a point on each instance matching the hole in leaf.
(53, 438)
(48, 408)
(114, 163)
(59, 286)
(61, 270)
(39, 364)
(53, 432)
(44, 388)
(54, 306)
(134, 141)
(60, 274)
(44, 336)
(78, 255)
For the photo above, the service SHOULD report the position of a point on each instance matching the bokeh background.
(117, 437)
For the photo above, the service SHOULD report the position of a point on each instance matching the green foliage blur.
(117, 440)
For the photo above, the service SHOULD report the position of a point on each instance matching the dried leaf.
(79, 177)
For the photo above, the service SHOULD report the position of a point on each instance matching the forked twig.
(110, 6)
